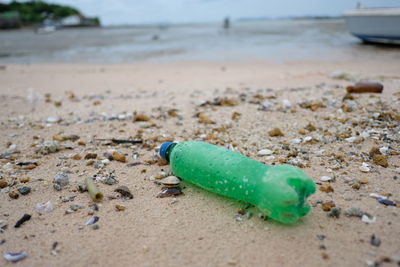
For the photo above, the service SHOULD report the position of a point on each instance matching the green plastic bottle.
(280, 192)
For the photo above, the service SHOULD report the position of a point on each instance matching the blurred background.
(183, 30)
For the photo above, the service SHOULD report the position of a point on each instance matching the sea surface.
(274, 40)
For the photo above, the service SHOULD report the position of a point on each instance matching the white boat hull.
(374, 25)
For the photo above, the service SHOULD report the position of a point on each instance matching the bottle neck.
(168, 151)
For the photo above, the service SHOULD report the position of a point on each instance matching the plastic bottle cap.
(163, 150)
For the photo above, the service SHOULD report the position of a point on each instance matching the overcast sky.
(113, 12)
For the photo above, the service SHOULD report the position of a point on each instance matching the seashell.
(124, 191)
(93, 220)
(325, 178)
(14, 257)
(46, 207)
(170, 181)
(264, 152)
(169, 192)
(61, 178)
(368, 219)
(364, 167)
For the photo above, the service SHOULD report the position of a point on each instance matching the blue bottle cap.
(164, 148)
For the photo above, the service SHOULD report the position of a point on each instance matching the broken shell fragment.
(46, 207)
(93, 220)
(48, 147)
(169, 192)
(364, 167)
(124, 191)
(14, 257)
(61, 178)
(119, 207)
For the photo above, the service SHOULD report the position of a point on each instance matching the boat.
(376, 25)
(45, 29)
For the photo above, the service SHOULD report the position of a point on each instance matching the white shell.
(170, 180)
(264, 152)
(325, 178)
(14, 257)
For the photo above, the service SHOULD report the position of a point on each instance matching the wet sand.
(198, 228)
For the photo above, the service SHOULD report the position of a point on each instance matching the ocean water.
(274, 40)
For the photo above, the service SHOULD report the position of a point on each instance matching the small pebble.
(24, 190)
(376, 242)
(327, 206)
(3, 182)
(57, 187)
(110, 181)
(13, 194)
(61, 178)
(380, 160)
(356, 186)
(326, 188)
(275, 132)
(118, 157)
(353, 212)
(76, 206)
(90, 156)
(81, 188)
(335, 212)
(24, 218)
(24, 179)
(325, 255)
(119, 207)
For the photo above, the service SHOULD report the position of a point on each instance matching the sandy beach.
(326, 133)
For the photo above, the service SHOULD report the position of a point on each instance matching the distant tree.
(37, 11)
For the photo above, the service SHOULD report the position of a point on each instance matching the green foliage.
(38, 11)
